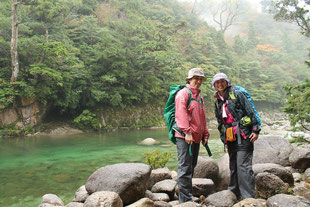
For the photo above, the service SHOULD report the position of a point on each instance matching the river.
(33, 166)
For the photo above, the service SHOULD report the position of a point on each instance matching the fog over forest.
(252, 5)
(85, 58)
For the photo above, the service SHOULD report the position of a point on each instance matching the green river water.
(33, 166)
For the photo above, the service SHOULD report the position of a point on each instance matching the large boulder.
(129, 180)
(307, 175)
(48, 205)
(267, 185)
(300, 189)
(300, 157)
(297, 177)
(165, 186)
(307, 195)
(202, 186)
(272, 149)
(250, 202)
(206, 168)
(282, 200)
(75, 204)
(174, 203)
(51, 199)
(187, 204)
(224, 198)
(143, 202)
(284, 174)
(149, 142)
(81, 195)
(224, 173)
(157, 196)
(159, 175)
(161, 204)
(103, 198)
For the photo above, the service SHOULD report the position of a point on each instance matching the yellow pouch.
(246, 121)
(230, 135)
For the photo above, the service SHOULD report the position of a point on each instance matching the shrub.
(155, 159)
(87, 120)
(299, 140)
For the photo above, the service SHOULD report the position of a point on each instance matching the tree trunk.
(194, 7)
(46, 40)
(14, 41)
(46, 34)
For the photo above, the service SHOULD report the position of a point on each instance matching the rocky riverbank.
(276, 123)
(281, 169)
(272, 123)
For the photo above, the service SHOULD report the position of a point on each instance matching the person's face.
(220, 85)
(196, 81)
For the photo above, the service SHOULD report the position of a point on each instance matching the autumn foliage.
(267, 48)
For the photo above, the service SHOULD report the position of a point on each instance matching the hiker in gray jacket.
(239, 129)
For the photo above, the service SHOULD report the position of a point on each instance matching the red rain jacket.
(192, 119)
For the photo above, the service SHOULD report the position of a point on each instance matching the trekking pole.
(208, 150)
(207, 147)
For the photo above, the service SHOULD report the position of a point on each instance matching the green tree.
(252, 38)
(298, 96)
(49, 12)
(239, 45)
(294, 11)
(298, 104)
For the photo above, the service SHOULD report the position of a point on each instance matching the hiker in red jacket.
(232, 108)
(190, 131)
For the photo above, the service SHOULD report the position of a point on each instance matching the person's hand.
(253, 137)
(204, 142)
(189, 139)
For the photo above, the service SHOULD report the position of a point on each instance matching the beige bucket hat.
(195, 72)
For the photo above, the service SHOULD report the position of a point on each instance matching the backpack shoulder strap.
(216, 104)
(232, 94)
(190, 97)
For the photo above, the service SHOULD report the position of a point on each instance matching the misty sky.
(232, 30)
(254, 3)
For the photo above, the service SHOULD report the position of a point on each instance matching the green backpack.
(169, 112)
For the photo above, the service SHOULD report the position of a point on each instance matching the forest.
(83, 59)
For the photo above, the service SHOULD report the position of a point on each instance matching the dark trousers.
(186, 165)
(241, 174)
